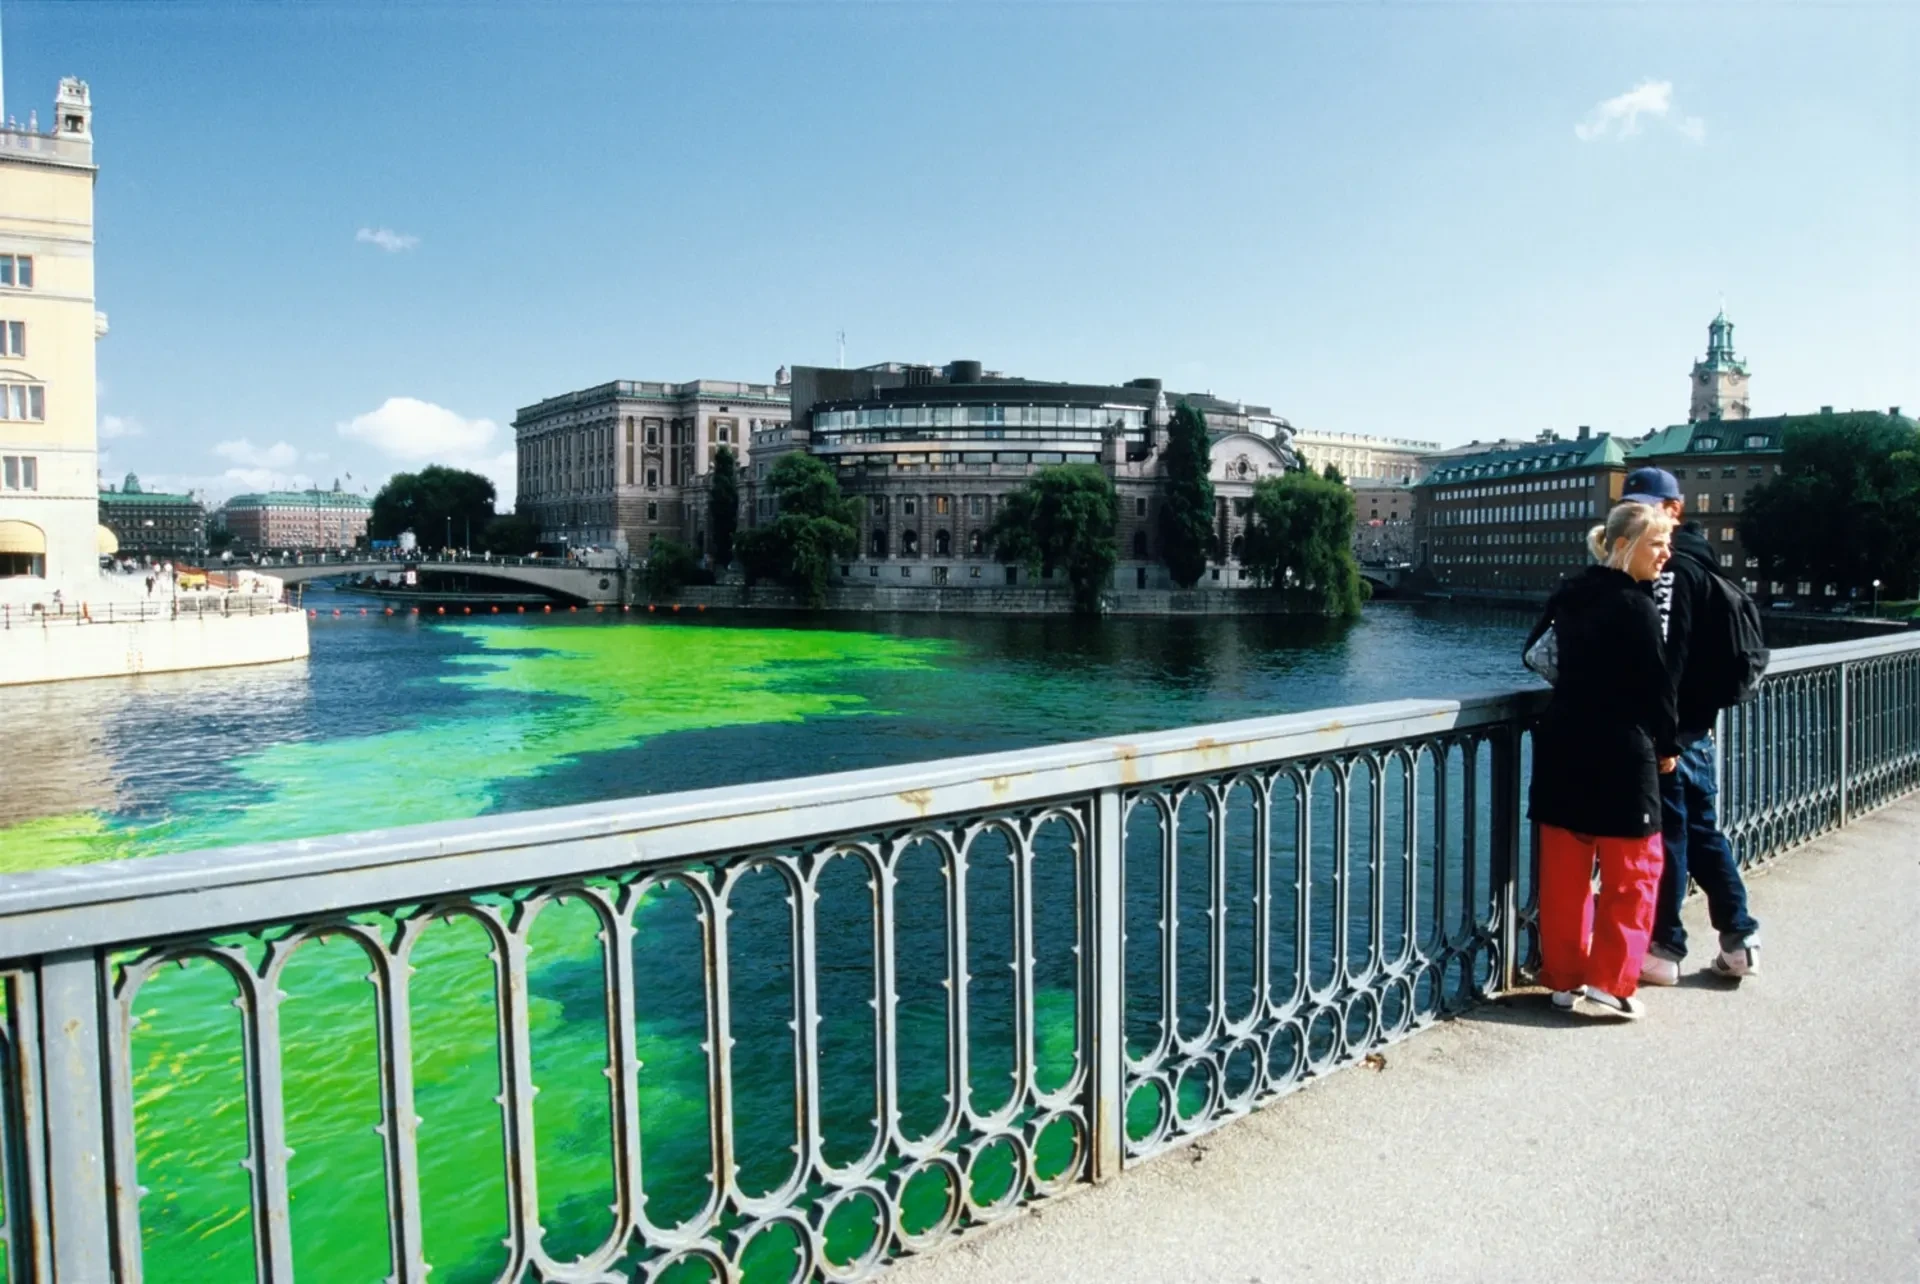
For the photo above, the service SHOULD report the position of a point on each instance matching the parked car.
(1784, 604)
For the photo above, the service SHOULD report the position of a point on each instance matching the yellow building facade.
(49, 482)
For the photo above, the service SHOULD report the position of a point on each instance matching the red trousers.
(1584, 943)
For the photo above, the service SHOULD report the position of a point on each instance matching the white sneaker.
(1657, 970)
(1738, 964)
(1563, 1000)
(1613, 1005)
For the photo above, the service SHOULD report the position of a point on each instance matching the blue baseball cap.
(1650, 486)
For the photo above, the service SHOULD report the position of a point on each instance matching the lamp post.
(1876, 599)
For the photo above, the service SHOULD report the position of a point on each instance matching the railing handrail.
(111, 902)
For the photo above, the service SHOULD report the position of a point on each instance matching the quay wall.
(965, 600)
(59, 652)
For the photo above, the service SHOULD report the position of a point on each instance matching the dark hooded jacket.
(1683, 592)
(1596, 751)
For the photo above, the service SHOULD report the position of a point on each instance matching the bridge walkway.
(1769, 1132)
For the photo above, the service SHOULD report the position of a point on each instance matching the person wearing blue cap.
(1701, 614)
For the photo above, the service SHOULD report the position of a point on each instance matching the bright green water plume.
(556, 694)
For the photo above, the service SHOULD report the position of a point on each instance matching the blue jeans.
(1695, 847)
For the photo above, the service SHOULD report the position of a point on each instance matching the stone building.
(151, 522)
(296, 519)
(1513, 521)
(50, 536)
(1361, 458)
(1383, 532)
(931, 453)
(621, 465)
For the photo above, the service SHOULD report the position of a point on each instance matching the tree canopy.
(511, 533)
(1845, 507)
(1300, 540)
(671, 566)
(441, 506)
(1063, 516)
(1187, 536)
(723, 505)
(815, 525)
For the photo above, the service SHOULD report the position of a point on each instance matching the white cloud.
(243, 452)
(1621, 115)
(413, 432)
(386, 238)
(114, 427)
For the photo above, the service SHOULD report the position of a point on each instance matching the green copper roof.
(1664, 441)
(1536, 460)
(301, 499)
(1747, 436)
(114, 498)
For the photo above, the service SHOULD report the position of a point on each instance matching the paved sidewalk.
(1766, 1133)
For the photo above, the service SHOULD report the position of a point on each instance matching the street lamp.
(1876, 599)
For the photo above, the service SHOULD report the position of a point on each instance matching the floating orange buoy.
(440, 610)
(521, 610)
(466, 610)
(676, 608)
(416, 610)
(649, 608)
(389, 610)
(573, 608)
(597, 607)
(363, 610)
(546, 610)
(623, 608)
(701, 607)
(313, 615)
(496, 610)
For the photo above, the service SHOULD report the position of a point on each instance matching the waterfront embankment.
(119, 639)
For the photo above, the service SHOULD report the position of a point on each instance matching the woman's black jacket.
(1596, 751)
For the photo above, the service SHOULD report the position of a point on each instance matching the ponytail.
(1629, 522)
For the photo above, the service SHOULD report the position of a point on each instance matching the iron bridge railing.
(792, 1030)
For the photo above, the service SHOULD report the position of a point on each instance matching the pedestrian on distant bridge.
(1598, 752)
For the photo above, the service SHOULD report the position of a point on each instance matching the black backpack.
(1728, 645)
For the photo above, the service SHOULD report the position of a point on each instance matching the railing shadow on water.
(792, 1030)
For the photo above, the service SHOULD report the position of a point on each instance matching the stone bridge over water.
(562, 581)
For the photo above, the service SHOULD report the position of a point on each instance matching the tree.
(1187, 536)
(671, 566)
(1333, 474)
(815, 525)
(511, 534)
(723, 505)
(1063, 516)
(1845, 507)
(439, 505)
(1300, 540)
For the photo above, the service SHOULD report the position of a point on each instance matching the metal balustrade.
(132, 611)
(894, 1005)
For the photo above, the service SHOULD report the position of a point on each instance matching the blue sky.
(348, 237)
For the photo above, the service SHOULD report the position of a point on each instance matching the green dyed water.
(395, 722)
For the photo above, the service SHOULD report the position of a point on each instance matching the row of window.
(19, 472)
(23, 401)
(1541, 486)
(13, 338)
(16, 271)
(1559, 510)
(1129, 418)
(1728, 473)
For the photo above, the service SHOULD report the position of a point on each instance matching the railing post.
(73, 1081)
(1842, 756)
(1504, 876)
(1107, 1029)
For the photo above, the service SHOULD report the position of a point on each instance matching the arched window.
(942, 544)
(909, 543)
(1140, 544)
(880, 543)
(977, 544)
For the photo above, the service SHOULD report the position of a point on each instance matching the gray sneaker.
(1737, 964)
(1613, 1005)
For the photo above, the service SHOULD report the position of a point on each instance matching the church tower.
(1719, 382)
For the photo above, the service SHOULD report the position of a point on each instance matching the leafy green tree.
(1300, 540)
(671, 566)
(1063, 516)
(511, 534)
(816, 525)
(1845, 507)
(439, 505)
(1333, 474)
(1187, 536)
(723, 505)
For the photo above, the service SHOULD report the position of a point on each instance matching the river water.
(400, 719)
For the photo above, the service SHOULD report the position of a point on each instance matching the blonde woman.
(1597, 757)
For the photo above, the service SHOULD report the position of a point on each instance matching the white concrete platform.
(1768, 1132)
(107, 645)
